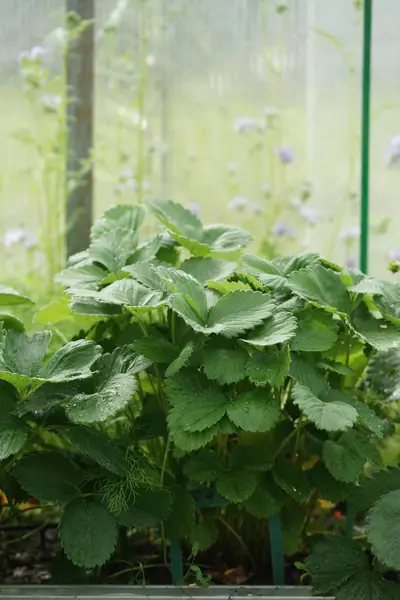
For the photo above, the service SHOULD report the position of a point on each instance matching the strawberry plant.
(207, 376)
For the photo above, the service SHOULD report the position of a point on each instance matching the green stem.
(165, 461)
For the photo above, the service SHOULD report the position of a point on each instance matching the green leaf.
(112, 249)
(305, 373)
(203, 466)
(225, 239)
(10, 297)
(372, 488)
(270, 366)
(13, 435)
(196, 404)
(266, 500)
(252, 457)
(149, 508)
(88, 533)
(72, 361)
(366, 415)
(322, 287)
(204, 535)
(183, 283)
(207, 269)
(155, 348)
(334, 561)
(127, 217)
(278, 329)
(225, 365)
(84, 277)
(181, 520)
(23, 354)
(331, 415)
(346, 457)
(239, 311)
(181, 360)
(270, 274)
(122, 360)
(316, 332)
(380, 334)
(292, 480)
(93, 307)
(176, 218)
(368, 585)
(145, 273)
(254, 411)
(132, 294)
(194, 440)
(236, 486)
(328, 488)
(147, 251)
(109, 398)
(97, 446)
(383, 529)
(48, 476)
(10, 321)
(389, 303)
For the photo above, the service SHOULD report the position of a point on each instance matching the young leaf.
(236, 486)
(155, 348)
(126, 217)
(207, 269)
(316, 332)
(254, 411)
(13, 435)
(368, 585)
(292, 480)
(334, 561)
(266, 271)
(372, 488)
(88, 533)
(225, 239)
(278, 328)
(72, 361)
(204, 535)
(188, 441)
(196, 404)
(322, 287)
(9, 297)
(150, 507)
(239, 311)
(186, 285)
(380, 334)
(108, 399)
(346, 457)
(306, 374)
(332, 415)
(97, 446)
(383, 529)
(112, 249)
(270, 366)
(176, 218)
(23, 354)
(145, 273)
(266, 500)
(132, 294)
(180, 522)
(48, 476)
(225, 365)
(181, 360)
(87, 277)
(203, 466)
(9, 321)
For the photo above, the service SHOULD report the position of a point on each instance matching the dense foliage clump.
(195, 368)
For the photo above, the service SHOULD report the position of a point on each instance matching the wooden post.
(80, 83)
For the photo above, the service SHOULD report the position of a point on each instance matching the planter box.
(123, 592)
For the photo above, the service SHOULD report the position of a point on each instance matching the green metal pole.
(365, 134)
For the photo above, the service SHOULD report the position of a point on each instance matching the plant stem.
(165, 461)
(240, 540)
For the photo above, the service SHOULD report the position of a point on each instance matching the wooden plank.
(80, 93)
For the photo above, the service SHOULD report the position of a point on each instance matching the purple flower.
(394, 254)
(285, 155)
(237, 203)
(351, 233)
(392, 158)
(194, 208)
(282, 229)
(21, 236)
(126, 173)
(351, 262)
(51, 102)
(308, 214)
(35, 53)
(255, 209)
(247, 125)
